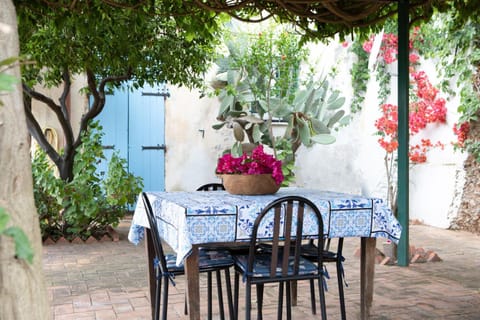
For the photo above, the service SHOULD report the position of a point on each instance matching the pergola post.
(403, 132)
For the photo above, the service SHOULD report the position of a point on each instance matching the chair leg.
(323, 306)
(312, 296)
(158, 291)
(260, 289)
(229, 295)
(340, 279)
(341, 294)
(220, 295)
(248, 299)
(289, 300)
(209, 295)
(236, 293)
(280, 300)
(165, 299)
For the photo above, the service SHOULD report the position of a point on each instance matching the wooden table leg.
(367, 273)
(193, 286)
(151, 270)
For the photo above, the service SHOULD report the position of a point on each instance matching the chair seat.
(310, 251)
(263, 261)
(207, 260)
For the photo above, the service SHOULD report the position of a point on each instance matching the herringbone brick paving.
(108, 280)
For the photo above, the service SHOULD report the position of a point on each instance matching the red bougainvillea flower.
(461, 131)
(426, 107)
(258, 162)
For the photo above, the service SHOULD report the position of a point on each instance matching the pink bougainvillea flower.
(258, 162)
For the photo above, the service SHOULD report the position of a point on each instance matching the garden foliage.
(88, 204)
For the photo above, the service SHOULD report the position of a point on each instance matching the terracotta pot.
(249, 184)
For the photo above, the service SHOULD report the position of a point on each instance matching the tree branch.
(36, 132)
(98, 102)
(65, 123)
(57, 110)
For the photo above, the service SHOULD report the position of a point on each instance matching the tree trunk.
(468, 216)
(23, 293)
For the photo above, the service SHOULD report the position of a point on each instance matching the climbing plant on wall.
(426, 106)
(457, 50)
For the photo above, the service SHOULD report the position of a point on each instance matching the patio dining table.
(189, 220)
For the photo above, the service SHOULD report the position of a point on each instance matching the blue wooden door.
(146, 147)
(133, 125)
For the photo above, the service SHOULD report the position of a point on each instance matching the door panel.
(114, 120)
(147, 127)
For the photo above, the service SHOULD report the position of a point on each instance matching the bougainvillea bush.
(426, 107)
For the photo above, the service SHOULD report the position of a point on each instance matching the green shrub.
(87, 205)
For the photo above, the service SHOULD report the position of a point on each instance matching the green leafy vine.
(457, 49)
(360, 76)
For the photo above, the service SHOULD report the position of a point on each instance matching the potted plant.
(252, 173)
(258, 86)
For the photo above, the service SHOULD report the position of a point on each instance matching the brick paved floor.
(107, 280)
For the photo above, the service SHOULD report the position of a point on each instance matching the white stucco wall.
(193, 146)
(353, 164)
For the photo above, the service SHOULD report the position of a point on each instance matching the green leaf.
(345, 120)
(333, 97)
(237, 150)
(8, 61)
(323, 139)
(300, 98)
(319, 126)
(335, 118)
(7, 82)
(338, 103)
(23, 250)
(4, 218)
(257, 133)
(238, 132)
(304, 131)
(263, 104)
(226, 104)
(218, 125)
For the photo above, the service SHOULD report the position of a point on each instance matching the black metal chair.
(166, 270)
(283, 263)
(211, 187)
(309, 251)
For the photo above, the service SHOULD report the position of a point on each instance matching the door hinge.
(157, 147)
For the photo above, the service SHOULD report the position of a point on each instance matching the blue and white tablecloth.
(187, 218)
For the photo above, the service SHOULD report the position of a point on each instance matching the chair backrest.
(157, 241)
(211, 187)
(282, 223)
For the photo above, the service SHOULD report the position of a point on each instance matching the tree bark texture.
(23, 293)
(468, 217)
